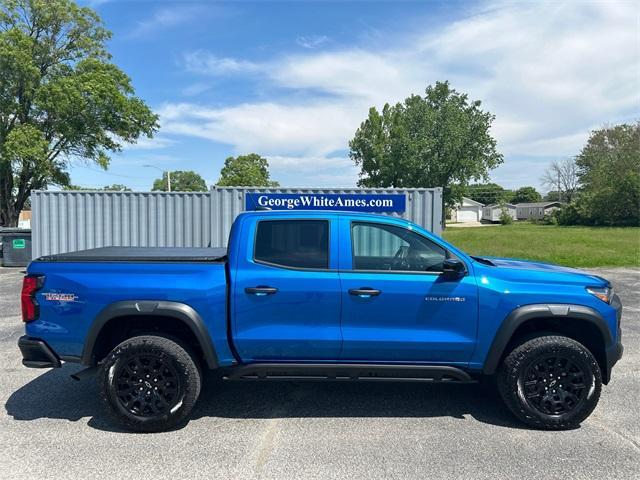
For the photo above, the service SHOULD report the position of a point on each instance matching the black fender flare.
(179, 311)
(540, 310)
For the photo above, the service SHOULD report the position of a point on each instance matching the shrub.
(571, 214)
(550, 219)
(505, 218)
(545, 220)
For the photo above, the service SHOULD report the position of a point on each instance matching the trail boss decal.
(60, 297)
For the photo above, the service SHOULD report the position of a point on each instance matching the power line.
(110, 173)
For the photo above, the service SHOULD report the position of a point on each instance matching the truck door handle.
(260, 291)
(365, 292)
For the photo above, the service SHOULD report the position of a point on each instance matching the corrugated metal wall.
(66, 221)
(76, 220)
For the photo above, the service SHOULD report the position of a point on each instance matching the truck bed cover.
(140, 254)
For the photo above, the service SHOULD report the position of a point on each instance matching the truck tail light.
(30, 308)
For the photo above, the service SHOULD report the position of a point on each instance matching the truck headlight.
(603, 293)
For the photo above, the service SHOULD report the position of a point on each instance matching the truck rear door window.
(293, 243)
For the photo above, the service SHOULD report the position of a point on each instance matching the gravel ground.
(52, 426)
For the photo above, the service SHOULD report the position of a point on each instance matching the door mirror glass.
(452, 268)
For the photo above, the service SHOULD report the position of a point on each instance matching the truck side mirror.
(452, 268)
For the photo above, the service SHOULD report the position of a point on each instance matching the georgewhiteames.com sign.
(354, 202)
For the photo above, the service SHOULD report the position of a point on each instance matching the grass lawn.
(570, 246)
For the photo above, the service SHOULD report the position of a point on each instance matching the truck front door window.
(378, 246)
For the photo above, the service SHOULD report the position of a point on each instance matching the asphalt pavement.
(52, 426)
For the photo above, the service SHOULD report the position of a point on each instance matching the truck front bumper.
(614, 352)
(37, 354)
(613, 355)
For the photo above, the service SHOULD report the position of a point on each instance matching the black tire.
(550, 382)
(169, 382)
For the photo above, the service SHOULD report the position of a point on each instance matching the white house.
(468, 211)
(491, 213)
(537, 210)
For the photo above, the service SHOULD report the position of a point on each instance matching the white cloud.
(556, 69)
(168, 17)
(309, 164)
(143, 159)
(311, 41)
(195, 89)
(318, 128)
(374, 76)
(144, 143)
(550, 72)
(313, 171)
(205, 63)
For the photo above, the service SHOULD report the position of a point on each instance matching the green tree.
(181, 181)
(609, 175)
(526, 195)
(116, 187)
(250, 170)
(487, 193)
(437, 140)
(552, 196)
(60, 98)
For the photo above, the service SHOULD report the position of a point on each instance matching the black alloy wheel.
(148, 385)
(554, 384)
(550, 382)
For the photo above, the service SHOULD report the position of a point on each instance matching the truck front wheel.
(149, 383)
(550, 382)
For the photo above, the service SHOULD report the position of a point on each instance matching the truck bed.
(140, 255)
(79, 286)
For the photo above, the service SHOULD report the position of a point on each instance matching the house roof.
(498, 205)
(538, 204)
(472, 202)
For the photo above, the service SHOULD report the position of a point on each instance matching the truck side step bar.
(348, 371)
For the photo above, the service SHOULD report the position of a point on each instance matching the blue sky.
(293, 80)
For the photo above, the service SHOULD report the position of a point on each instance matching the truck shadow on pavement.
(55, 395)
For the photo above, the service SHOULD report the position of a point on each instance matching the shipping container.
(66, 221)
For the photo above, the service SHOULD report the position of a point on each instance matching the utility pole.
(559, 189)
(168, 172)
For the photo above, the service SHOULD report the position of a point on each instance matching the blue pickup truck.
(323, 296)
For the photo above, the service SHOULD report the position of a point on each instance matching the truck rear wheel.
(149, 383)
(550, 382)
